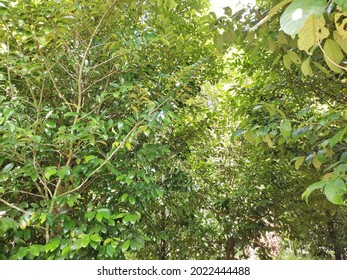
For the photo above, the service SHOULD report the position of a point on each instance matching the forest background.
(155, 129)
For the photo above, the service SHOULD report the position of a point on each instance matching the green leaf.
(337, 137)
(66, 250)
(8, 168)
(95, 238)
(333, 55)
(126, 245)
(268, 141)
(342, 4)
(132, 218)
(85, 241)
(110, 250)
(123, 197)
(131, 199)
(50, 124)
(103, 213)
(334, 191)
(90, 216)
(52, 245)
(22, 252)
(316, 186)
(296, 14)
(321, 68)
(286, 128)
(63, 172)
(89, 158)
(35, 249)
(135, 245)
(49, 171)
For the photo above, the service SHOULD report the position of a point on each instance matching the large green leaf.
(296, 14)
(334, 191)
(316, 186)
(342, 4)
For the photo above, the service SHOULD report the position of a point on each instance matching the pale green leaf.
(316, 186)
(306, 68)
(312, 33)
(49, 171)
(287, 61)
(334, 190)
(342, 4)
(341, 41)
(126, 245)
(333, 55)
(296, 14)
(299, 161)
(294, 57)
(286, 128)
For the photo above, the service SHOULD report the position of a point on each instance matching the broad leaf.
(296, 14)
(333, 55)
(312, 33)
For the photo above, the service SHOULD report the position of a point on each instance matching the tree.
(87, 87)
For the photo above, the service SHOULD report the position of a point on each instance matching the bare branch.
(13, 206)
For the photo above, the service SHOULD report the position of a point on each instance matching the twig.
(108, 159)
(24, 192)
(13, 206)
(80, 72)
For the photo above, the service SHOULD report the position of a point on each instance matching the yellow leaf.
(312, 33)
(268, 140)
(341, 41)
(327, 176)
(316, 163)
(294, 57)
(134, 109)
(128, 145)
(340, 23)
(287, 61)
(330, 152)
(299, 162)
(249, 137)
(115, 144)
(306, 68)
(333, 55)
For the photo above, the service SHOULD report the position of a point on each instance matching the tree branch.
(13, 206)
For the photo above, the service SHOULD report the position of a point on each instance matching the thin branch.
(24, 192)
(53, 81)
(41, 92)
(99, 80)
(80, 72)
(108, 60)
(108, 159)
(67, 72)
(13, 206)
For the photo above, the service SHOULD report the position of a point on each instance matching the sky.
(235, 5)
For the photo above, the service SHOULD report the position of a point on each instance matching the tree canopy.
(153, 129)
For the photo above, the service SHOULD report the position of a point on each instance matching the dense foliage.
(152, 129)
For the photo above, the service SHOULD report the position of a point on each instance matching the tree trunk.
(230, 248)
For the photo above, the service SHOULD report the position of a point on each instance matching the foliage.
(86, 88)
(155, 130)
